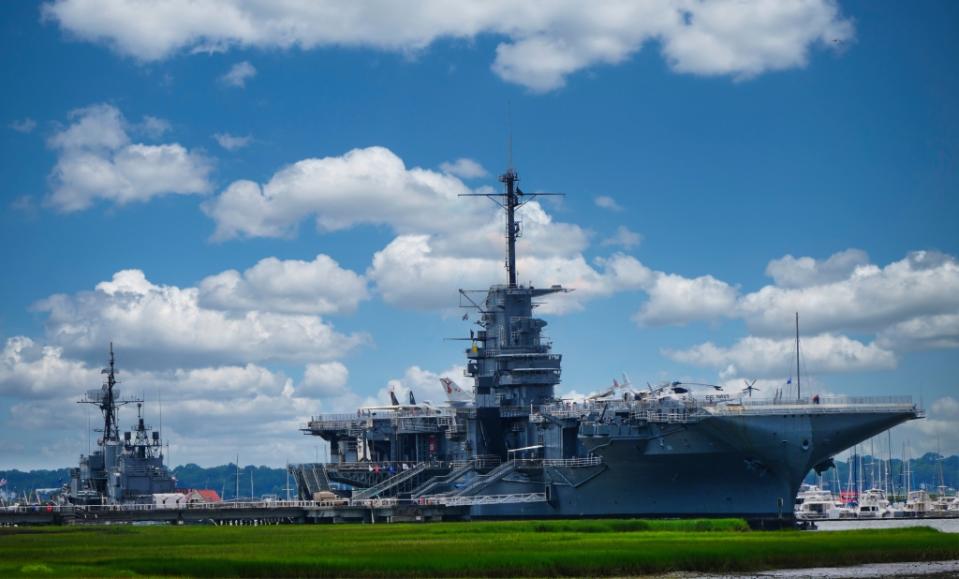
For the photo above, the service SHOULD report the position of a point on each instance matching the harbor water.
(944, 525)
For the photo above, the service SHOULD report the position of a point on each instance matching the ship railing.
(848, 400)
(670, 416)
(397, 465)
(253, 505)
(376, 503)
(463, 501)
(39, 508)
(574, 462)
(340, 422)
(149, 507)
(511, 411)
(822, 405)
(560, 411)
(525, 355)
(483, 462)
(421, 423)
(364, 419)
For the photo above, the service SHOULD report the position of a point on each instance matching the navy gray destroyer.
(120, 471)
(513, 449)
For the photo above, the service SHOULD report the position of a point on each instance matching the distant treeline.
(223, 479)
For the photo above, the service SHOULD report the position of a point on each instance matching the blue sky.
(714, 158)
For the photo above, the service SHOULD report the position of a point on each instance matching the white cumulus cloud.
(792, 272)
(232, 142)
(767, 357)
(607, 202)
(624, 237)
(937, 432)
(868, 298)
(24, 125)
(97, 161)
(294, 286)
(28, 369)
(541, 43)
(238, 74)
(922, 333)
(325, 380)
(674, 299)
(364, 186)
(464, 168)
(162, 325)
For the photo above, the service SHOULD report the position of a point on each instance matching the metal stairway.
(392, 482)
(310, 479)
(435, 482)
(486, 479)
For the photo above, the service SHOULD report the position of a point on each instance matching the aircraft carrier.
(512, 449)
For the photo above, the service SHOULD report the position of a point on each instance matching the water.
(944, 525)
(927, 570)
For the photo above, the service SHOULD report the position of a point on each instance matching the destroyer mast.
(107, 399)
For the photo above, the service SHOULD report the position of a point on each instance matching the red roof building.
(201, 495)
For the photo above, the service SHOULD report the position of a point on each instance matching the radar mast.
(511, 199)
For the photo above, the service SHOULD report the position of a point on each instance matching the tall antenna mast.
(510, 200)
(798, 377)
(110, 428)
(509, 121)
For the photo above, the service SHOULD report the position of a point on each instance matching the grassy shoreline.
(513, 548)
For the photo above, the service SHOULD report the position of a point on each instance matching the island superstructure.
(516, 450)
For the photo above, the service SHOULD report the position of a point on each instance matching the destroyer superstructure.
(127, 470)
(518, 451)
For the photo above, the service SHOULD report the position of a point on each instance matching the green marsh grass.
(514, 548)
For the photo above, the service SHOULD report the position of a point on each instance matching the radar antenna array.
(108, 400)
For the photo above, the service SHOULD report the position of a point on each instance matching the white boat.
(874, 505)
(918, 504)
(954, 505)
(942, 502)
(814, 503)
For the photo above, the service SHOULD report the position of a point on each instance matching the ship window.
(805, 444)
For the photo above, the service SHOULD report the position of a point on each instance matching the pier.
(238, 513)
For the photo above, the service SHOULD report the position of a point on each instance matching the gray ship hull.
(741, 466)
